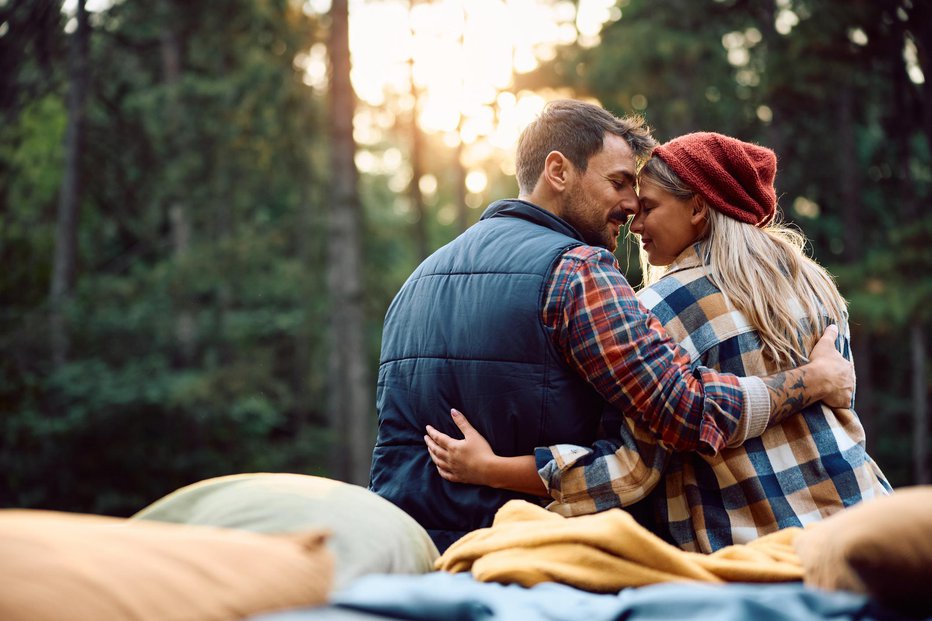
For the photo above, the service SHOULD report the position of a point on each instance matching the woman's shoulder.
(684, 290)
(693, 311)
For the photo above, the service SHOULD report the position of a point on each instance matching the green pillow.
(369, 534)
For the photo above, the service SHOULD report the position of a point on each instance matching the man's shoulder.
(591, 274)
(583, 263)
(589, 254)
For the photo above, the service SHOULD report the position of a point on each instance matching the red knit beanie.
(734, 177)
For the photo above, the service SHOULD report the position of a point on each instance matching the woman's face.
(666, 224)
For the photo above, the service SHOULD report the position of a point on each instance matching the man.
(524, 321)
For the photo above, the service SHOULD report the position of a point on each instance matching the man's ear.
(556, 170)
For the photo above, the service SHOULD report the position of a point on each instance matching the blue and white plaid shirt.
(798, 471)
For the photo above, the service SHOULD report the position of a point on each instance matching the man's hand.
(460, 461)
(827, 377)
(831, 368)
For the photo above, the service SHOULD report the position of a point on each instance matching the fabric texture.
(87, 568)
(530, 333)
(602, 328)
(610, 338)
(733, 176)
(882, 548)
(606, 552)
(799, 471)
(459, 596)
(367, 533)
(464, 331)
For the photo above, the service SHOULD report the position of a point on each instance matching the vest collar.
(517, 208)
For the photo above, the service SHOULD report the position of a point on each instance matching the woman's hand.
(461, 461)
(472, 460)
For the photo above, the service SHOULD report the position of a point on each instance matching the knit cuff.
(755, 414)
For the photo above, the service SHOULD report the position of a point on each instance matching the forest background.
(202, 223)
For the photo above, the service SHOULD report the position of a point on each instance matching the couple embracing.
(518, 362)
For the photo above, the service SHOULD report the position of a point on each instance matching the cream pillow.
(88, 568)
(881, 547)
(368, 533)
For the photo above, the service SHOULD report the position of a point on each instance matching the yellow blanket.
(606, 552)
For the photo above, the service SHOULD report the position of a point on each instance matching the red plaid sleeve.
(624, 352)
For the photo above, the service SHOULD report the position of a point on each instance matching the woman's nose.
(637, 223)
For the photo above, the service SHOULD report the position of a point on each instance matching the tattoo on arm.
(787, 393)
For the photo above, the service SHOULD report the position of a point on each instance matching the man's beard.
(581, 212)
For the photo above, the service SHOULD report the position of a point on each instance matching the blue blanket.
(435, 596)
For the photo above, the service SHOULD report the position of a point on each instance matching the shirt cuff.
(755, 414)
(554, 464)
(543, 456)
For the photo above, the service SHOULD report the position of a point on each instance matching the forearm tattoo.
(787, 393)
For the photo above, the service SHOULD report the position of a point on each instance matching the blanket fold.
(606, 552)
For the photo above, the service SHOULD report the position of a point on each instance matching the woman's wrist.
(494, 472)
(518, 474)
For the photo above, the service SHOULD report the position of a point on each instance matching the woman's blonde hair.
(763, 272)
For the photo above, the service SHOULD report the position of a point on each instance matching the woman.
(738, 293)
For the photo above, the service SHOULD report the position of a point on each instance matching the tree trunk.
(920, 390)
(417, 167)
(178, 217)
(414, 190)
(301, 365)
(462, 209)
(905, 118)
(350, 393)
(772, 42)
(223, 228)
(63, 269)
(852, 213)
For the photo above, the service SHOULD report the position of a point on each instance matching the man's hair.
(577, 130)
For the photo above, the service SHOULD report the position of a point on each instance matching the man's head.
(580, 162)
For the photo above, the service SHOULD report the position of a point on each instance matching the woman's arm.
(471, 460)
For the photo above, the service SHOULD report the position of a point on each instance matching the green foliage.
(830, 95)
(187, 360)
(890, 287)
(198, 324)
(30, 174)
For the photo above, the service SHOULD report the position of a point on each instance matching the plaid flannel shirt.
(604, 333)
(798, 471)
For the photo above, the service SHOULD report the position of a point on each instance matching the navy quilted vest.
(465, 332)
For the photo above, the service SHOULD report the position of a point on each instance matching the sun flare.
(455, 62)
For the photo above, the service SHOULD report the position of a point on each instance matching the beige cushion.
(81, 567)
(368, 533)
(881, 547)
